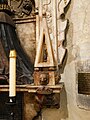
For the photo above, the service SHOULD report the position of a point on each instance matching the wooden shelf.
(31, 88)
(24, 20)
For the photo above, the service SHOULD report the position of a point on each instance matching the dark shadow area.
(5, 110)
(67, 7)
(62, 66)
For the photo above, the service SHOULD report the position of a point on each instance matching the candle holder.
(11, 108)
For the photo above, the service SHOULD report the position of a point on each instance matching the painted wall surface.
(78, 46)
(26, 33)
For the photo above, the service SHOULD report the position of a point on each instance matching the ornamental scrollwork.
(22, 8)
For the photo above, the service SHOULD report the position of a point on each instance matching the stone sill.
(31, 88)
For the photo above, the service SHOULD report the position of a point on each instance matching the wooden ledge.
(24, 20)
(5, 88)
(32, 88)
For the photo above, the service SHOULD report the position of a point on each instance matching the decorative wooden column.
(54, 29)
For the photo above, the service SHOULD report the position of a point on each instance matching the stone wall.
(78, 46)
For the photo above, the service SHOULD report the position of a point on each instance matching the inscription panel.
(84, 83)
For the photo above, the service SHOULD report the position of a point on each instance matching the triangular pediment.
(44, 44)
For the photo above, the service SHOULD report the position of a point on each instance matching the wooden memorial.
(45, 61)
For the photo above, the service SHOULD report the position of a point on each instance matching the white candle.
(12, 74)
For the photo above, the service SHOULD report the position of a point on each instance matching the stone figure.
(8, 41)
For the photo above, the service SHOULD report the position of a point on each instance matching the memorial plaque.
(84, 83)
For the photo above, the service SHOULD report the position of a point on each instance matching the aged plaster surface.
(78, 46)
(26, 33)
(78, 42)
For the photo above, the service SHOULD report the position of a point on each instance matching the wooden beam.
(32, 88)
